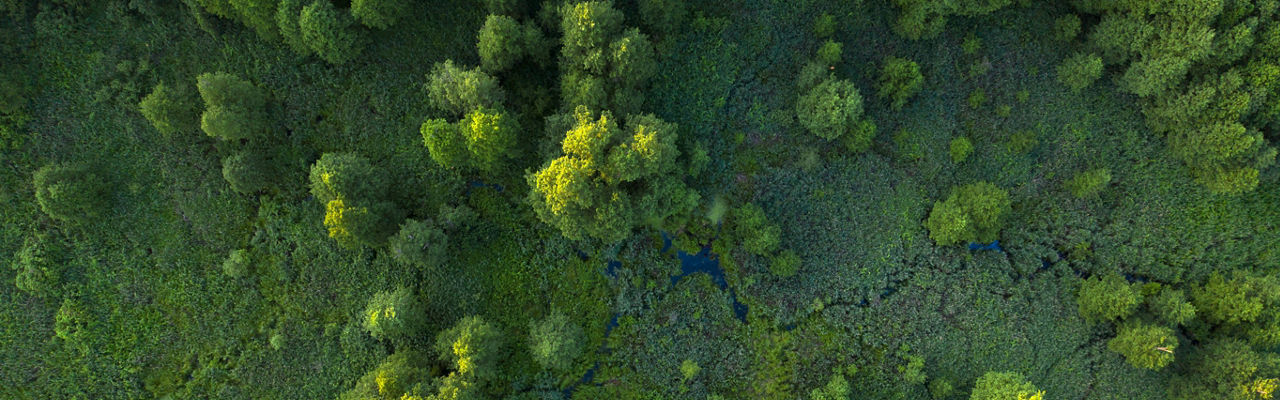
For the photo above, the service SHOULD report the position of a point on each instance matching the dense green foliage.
(649, 199)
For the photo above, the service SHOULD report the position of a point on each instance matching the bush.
(899, 80)
(237, 264)
(555, 342)
(1080, 70)
(973, 212)
(170, 110)
(824, 26)
(785, 264)
(1089, 183)
(757, 235)
(380, 14)
(395, 315)
(70, 192)
(1107, 298)
(977, 98)
(829, 53)
(831, 109)
(960, 149)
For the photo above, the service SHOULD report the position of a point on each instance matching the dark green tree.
(420, 244)
(1066, 27)
(248, 172)
(829, 53)
(458, 91)
(380, 14)
(70, 192)
(500, 43)
(287, 15)
(235, 109)
(258, 15)
(39, 264)
(1107, 298)
(1171, 306)
(631, 59)
(973, 212)
(663, 17)
(1080, 70)
(354, 194)
(170, 110)
(1241, 299)
(831, 109)
(333, 35)
(555, 341)
(1144, 345)
(899, 80)
(1088, 183)
(758, 236)
(1227, 369)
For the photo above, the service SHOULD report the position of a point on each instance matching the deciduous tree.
(1107, 298)
(555, 341)
(1145, 345)
(330, 33)
(70, 192)
(380, 14)
(973, 212)
(831, 109)
(396, 315)
(899, 80)
(1004, 386)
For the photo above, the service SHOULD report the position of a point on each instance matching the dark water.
(987, 246)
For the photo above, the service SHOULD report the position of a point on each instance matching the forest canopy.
(639, 199)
